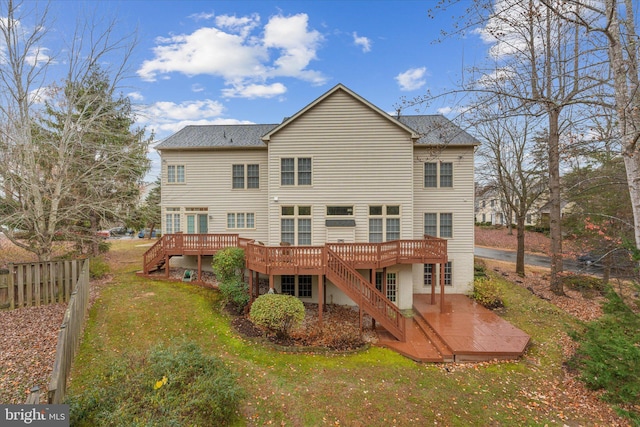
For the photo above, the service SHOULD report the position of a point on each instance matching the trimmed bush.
(487, 293)
(228, 264)
(277, 313)
(235, 292)
(169, 386)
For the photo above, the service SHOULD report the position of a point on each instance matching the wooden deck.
(463, 332)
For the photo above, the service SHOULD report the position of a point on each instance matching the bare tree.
(510, 163)
(548, 68)
(616, 20)
(39, 183)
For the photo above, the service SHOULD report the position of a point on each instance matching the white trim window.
(245, 176)
(172, 220)
(295, 171)
(448, 274)
(241, 220)
(392, 287)
(295, 225)
(438, 224)
(438, 175)
(384, 223)
(175, 174)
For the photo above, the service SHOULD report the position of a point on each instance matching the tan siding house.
(341, 170)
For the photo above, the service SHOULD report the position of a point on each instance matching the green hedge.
(277, 313)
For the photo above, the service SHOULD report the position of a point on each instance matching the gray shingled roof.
(438, 130)
(213, 136)
(434, 130)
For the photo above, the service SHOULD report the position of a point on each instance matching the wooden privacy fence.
(69, 335)
(35, 283)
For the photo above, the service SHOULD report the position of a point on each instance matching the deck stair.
(155, 257)
(365, 294)
(441, 346)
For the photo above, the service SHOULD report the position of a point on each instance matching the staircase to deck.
(365, 294)
(155, 257)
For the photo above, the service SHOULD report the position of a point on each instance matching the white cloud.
(197, 87)
(363, 42)
(202, 16)
(297, 45)
(230, 50)
(255, 91)
(165, 118)
(444, 110)
(412, 79)
(135, 96)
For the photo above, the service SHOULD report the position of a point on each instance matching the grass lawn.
(376, 387)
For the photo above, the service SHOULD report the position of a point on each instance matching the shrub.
(169, 386)
(228, 264)
(479, 270)
(277, 313)
(608, 354)
(588, 286)
(487, 293)
(235, 292)
(98, 268)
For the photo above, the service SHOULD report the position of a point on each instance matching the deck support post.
(256, 282)
(384, 281)
(372, 275)
(251, 293)
(433, 286)
(166, 265)
(199, 278)
(320, 298)
(441, 287)
(272, 285)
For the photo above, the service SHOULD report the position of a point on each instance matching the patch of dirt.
(339, 330)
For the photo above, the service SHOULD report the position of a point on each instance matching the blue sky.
(213, 62)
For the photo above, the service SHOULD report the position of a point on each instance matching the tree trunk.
(632, 167)
(95, 245)
(555, 227)
(520, 248)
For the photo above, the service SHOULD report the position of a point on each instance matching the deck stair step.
(433, 337)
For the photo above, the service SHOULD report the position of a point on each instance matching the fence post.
(34, 396)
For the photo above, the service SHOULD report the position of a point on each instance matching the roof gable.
(339, 87)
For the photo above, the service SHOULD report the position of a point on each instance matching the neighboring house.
(491, 208)
(340, 171)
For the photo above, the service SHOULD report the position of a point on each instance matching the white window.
(295, 225)
(339, 210)
(392, 287)
(241, 220)
(428, 274)
(438, 174)
(295, 171)
(384, 221)
(245, 176)
(448, 274)
(175, 174)
(438, 225)
(172, 220)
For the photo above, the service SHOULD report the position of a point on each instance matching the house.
(491, 208)
(339, 196)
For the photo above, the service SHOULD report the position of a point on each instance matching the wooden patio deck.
(463, 332)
